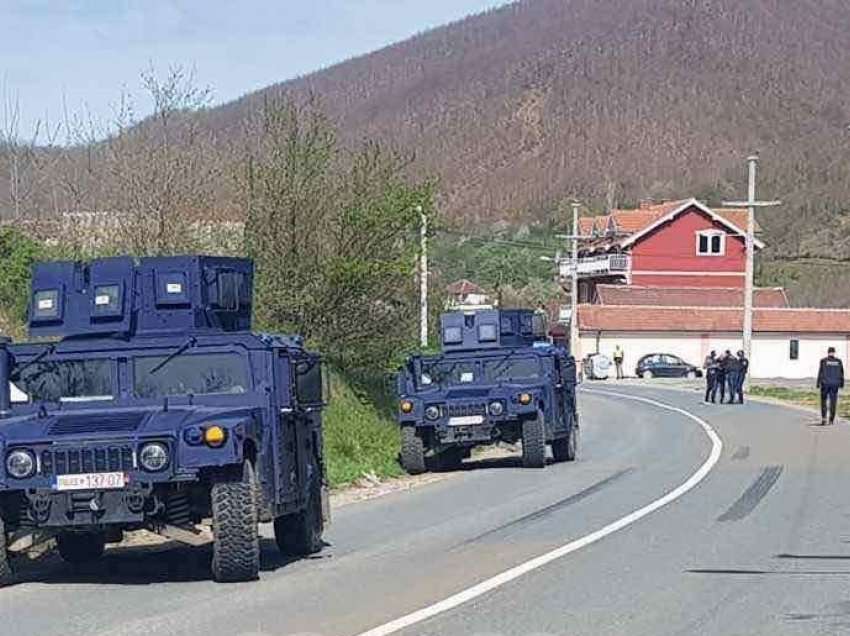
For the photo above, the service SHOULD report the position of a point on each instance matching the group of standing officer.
(726, 373)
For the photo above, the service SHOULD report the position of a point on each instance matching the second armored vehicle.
(496, 379)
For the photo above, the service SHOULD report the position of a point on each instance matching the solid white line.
(513, 573)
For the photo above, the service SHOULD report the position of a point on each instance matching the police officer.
(618, 361)
(722, 373)
(830, 379)
(733, 375)
(743, 367)
(710, 365)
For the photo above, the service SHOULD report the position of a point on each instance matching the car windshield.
(63, 381)
(191, 374)
(447, 373)
(512, 369)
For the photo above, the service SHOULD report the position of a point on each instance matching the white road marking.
(513, 573)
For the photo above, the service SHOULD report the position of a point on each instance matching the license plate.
(91, 481)
(466, 420)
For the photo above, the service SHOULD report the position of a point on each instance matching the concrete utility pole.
(574, 284)
(573, 271)
(423, 277)
(751, 204)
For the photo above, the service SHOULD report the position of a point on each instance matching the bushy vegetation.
(360, 437)
(17, 254)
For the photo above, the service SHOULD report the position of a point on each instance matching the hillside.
(613, 101)
(616, 100)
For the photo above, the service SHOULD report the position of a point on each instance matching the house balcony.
(601, 265)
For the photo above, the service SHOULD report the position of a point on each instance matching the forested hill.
(616, 100)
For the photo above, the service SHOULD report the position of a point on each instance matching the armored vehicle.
(497, 378)
(146, 402)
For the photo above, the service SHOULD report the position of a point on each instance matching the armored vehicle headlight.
(406, 406)
(20, 464)
(525, 399)
(496, 408)
(215, 436)
(432, 413)
(154, 457)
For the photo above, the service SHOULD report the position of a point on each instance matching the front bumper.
(127, 506)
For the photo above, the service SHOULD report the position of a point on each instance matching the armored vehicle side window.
(195, 374)
(64, 380)
(516, 369)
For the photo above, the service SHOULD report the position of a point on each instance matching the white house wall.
(770, 358)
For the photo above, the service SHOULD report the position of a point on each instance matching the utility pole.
(751, 204)
(423, 277)
(573, 271)
(574, 284)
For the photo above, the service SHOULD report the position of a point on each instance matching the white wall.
(770, 358)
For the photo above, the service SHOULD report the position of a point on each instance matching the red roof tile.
(688, 296)
(711, 319)
(464, 287)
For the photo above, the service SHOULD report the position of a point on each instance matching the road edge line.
(487, 585)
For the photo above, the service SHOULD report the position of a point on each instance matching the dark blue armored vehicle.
(145, 402)
(496, 379)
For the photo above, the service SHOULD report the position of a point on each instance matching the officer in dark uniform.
(733, 375)
(743, 368)
(830, 379)
(722, 373)
(711, 366)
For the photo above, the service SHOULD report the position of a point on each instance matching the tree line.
(332, 227)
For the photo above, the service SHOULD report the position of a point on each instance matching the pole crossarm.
(753, 204)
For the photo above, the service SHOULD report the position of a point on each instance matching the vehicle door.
(309, 389)
(676, 367)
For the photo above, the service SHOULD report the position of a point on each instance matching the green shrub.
(359, 438)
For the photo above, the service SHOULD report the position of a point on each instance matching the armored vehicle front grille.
(461, 410)
(73, 461)
(102, 422)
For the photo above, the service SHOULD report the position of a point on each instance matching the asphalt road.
(760, 546)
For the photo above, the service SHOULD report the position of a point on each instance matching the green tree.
(17, 254)
(333, 235)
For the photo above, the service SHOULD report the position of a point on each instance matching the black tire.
(534, 443)
(236, 540)
(7, 574)
(564, 448)
(412, 451)
(78, 548)
(301, 534)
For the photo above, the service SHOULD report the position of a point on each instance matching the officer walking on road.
(830, 379)
(710, 365)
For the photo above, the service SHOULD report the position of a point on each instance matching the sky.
(80, 55)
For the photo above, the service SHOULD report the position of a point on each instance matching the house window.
(711, 243)
(794, 349)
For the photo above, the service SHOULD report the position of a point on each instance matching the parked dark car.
(665, 365)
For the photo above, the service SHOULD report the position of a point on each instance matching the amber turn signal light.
(525, 399)
(214, 436)
(406, 406)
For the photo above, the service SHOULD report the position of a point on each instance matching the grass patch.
(803, 397)
(359, 438)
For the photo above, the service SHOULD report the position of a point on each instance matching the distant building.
(466, 295)
(669, 278)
